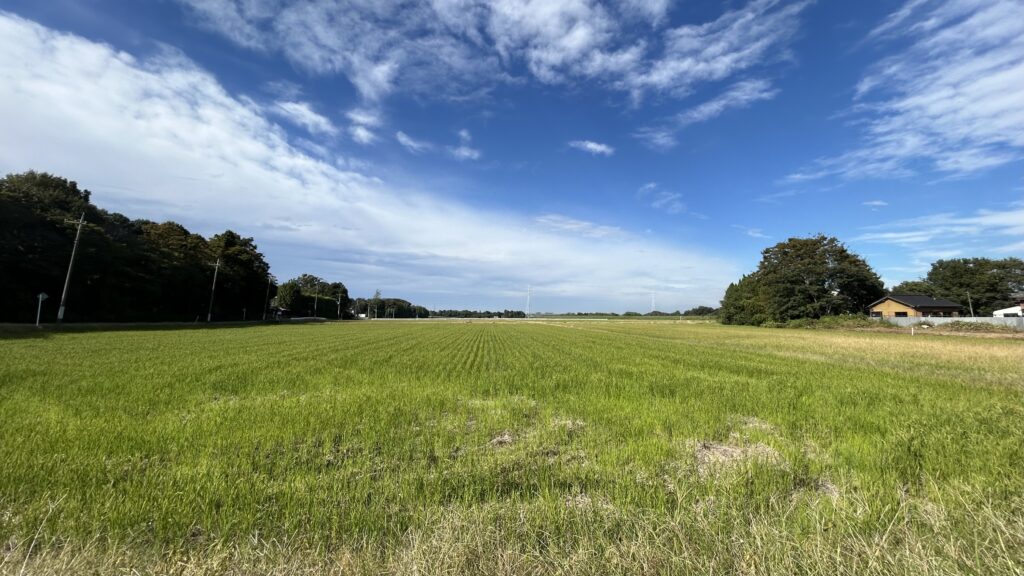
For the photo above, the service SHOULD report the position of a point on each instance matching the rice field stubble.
(510, 448)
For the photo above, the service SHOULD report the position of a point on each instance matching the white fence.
(1017, 323)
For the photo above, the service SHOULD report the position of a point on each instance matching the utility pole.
(339, 303)
(971, 306)
(266, 307)
(216, 269)
(71, 264)
(316, 298)
(39, 311)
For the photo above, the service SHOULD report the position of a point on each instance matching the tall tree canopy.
(915, 287)
(310, 295)
(983, 283)
(125, 270)
(802, 278)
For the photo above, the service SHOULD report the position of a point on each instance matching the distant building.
(912, 305)
(1013, 311)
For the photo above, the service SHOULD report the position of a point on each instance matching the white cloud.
(365, 117)
(752, 232)
(413, 145)
(653, 11)
(735, 42)
(664, 200)
(362, 134)
(740, 95)
(162, 139)
(983, 224)
(775, 197)
(875, 203)
(464, 151)
(302, 114)
(559, 223)
(595, 148)
(927, 238)
(670, 202)
(363, 121)
(949, 102)
(455, 47)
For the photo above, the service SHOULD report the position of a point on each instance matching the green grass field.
(589, 447)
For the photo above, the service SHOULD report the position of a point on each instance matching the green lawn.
(510, 447)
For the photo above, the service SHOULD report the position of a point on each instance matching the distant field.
(510, 447)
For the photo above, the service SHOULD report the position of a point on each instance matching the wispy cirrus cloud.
(998, 233)
(454, 47)
(303, 115)
(364, 122)
(777, 197)
(752, 232)
(591, 147)
(560, 223)
(948, 103)
(661, 199)
(413, 145)
(714, 51)
(740, 95)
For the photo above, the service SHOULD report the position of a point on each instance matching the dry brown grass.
(500, 539)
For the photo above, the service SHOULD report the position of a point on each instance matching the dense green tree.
(701, 311)
(918, 287)
(815, 277)
(35, 240)
(242, 279)
(424, 313)
(309, 295)
(338, 293)
(802, 278)
(743, 303)
(985, 283)
(289, 296)
(391, 308)
(125, 270)
(309, 283)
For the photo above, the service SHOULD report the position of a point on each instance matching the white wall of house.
(1015, 311)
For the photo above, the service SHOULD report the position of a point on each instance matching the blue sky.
(454, 152)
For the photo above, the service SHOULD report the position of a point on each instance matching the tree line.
(815, 277)
(124, 270)
(478, 314)
(379, 307)
(984, 284)
(142, 271)
(309, 295)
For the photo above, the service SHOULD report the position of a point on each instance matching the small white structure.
(1014, 312)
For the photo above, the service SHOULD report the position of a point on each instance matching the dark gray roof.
(918, 301)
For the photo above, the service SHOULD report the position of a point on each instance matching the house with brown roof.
(913, 305)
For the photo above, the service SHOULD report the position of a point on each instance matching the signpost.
(39, 311)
